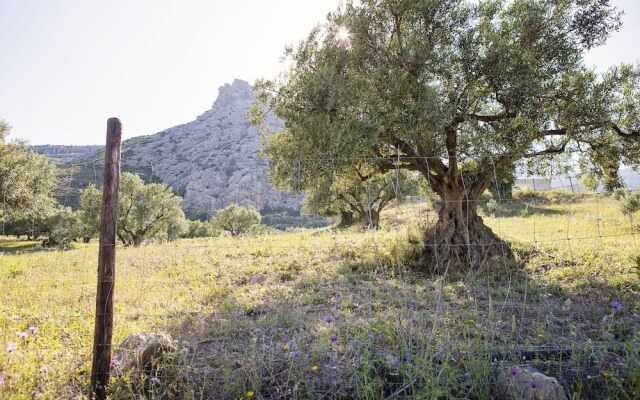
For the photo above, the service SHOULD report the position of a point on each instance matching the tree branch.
(625, 135)
(490, 118)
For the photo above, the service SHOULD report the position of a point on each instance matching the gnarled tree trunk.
(460, 236)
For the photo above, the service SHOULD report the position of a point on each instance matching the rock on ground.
(138, 350)
(526, 383)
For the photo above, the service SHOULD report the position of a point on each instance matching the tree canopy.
(236, 219)
(456, 90)
(362, 192)
(145, 210)
(27, 179)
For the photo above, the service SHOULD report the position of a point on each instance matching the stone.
(526, 383)
(258, 279)
(137, 350)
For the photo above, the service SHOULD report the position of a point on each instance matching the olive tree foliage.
(90, 211)
(27, 180)
(362, 192)
(452, 89)
(236, 219)
(144, 210)
(198, 229)
(628, 201)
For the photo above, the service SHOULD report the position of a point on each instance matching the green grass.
(397, 329)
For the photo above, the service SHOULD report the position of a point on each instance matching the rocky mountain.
(212, 161)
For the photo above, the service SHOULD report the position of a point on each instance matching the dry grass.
(398, 332)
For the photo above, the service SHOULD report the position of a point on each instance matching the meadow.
(341, 313)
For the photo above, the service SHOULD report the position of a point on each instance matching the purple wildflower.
(413, 321)
(2, 378)
(337, 316)
(22, 335)
(155, 380)
(605, 319)
(44, 368)
(272, 331)
(533, 385)
(616, 305)
(114, 362)
(328, 320)
(12, 347)
(33, 330)
(514, 371)
(257, 331)
(333, 338)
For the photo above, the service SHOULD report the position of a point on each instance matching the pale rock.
(138, 350)
(258, 279)
(211, 162)
(526, 383)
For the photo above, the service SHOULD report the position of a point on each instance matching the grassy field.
(342, 314)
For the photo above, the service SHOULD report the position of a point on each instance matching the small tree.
(91, 209)
(629, 201)
(62, 227)
(144, 210)
(363, 192)
(236, 219)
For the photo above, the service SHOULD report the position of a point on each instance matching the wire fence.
(324, 311)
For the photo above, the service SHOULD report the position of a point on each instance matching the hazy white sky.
(68, 65)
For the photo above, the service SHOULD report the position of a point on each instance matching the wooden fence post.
(106, 262)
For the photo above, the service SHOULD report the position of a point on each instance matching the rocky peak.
(238, 91)
(212, 161)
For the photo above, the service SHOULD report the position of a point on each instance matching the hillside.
(212, 161)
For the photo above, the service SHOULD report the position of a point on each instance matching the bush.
(628, 201)
(236, 219)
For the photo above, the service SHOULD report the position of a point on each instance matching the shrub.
(628, 201)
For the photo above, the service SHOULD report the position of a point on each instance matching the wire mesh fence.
(341, 312)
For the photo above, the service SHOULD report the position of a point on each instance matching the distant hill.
(212, 161)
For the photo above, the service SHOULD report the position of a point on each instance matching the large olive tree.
(453, 89)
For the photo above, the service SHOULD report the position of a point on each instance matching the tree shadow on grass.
(370, 330)
(21, 246)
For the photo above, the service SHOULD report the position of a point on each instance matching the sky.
(66, 66)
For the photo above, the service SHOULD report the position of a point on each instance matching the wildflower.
(155, 380)
(616, 305)
(44, 368)
(337, 316)
(33, 330)
(541, 335)
(250, 393)
(35, 393)
(114, 362)
(12, 347)
(257, 331)
(22, 335)
(413, 321)
(272, 331)
(605, 319)
(2, 378)
(333, 338)
(533, 385)
(285, 347)
(314, 368)
(328, 320)
(514, 371)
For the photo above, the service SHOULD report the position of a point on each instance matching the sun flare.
(343, 34)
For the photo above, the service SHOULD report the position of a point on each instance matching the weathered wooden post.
(106, 262)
